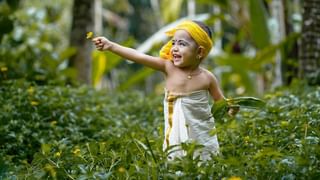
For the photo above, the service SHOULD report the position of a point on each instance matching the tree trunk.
(277, 12)
(309, 51)
(191, 8)
(98, 17)
(82, 22)
(290, 53)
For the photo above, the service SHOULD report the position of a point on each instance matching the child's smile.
(176, 58)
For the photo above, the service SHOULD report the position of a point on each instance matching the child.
(187, 88)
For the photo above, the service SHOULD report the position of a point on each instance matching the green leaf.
(6, 25)
(219, 109)
(259, 29)
(266, 54)
(14, 4)
(248, 102)
(45, 148)
(240, 65)
(139, 76)
(267, 153)
(67, 53)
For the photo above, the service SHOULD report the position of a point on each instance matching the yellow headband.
(196, 32)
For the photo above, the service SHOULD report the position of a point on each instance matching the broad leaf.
(259, 29)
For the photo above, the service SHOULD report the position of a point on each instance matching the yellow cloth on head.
(195, 31)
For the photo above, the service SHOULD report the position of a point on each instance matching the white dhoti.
(188, 118)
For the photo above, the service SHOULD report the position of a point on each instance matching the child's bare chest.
(182, 82)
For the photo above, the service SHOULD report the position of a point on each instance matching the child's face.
(184, 49)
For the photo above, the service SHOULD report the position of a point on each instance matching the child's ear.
(201, 52)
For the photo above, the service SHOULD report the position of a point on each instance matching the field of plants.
(50, 132)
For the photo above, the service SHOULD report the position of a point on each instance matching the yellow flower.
(30, 90)
(234, 178)
(246, 139)
(3, 69)
(57, 154)
(89, 35)
(76, 152)
(52, 123)
(34, 103)
(121, 170)
(49, 168)
(284, 123)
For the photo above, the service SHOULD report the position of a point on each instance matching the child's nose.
(174, 48)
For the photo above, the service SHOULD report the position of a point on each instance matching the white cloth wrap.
(191, 121)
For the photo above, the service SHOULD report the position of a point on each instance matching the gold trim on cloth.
(170, 100)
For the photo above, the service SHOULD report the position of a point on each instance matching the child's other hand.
(102, 43)
(233, 110)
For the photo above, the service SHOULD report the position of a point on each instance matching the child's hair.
(205, 28)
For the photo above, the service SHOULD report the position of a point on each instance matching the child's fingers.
(101, 43)
(99, 46)
(97, 40)
(97, 43)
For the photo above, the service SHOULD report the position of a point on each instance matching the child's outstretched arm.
(103, 44)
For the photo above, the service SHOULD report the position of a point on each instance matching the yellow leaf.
(57, 154)
(89, 35)
(234, 178)
(3, 69)
(99, 68)
(30, 90)
(76, 151)
(122, 170)
(34, 103)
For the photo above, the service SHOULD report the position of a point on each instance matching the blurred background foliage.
(52, 127)
(249, 51)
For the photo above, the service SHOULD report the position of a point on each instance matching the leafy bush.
(79, 133)
(35, 46)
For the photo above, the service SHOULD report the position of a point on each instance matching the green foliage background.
(52, 132)
(36, 47)
(35, 44)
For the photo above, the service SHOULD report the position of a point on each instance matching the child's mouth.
(176, 56)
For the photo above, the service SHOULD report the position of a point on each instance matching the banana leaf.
(221, 107)
(248, 102)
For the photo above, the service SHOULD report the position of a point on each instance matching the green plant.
(49, 132)
(221, 107)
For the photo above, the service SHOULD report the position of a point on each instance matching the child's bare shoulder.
(209, 75)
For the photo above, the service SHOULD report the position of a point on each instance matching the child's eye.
(182, 44)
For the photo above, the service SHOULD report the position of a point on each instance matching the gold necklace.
(190, 74)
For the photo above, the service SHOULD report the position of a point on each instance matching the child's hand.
(102, 43)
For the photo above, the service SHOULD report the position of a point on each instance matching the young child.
(188, 86)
